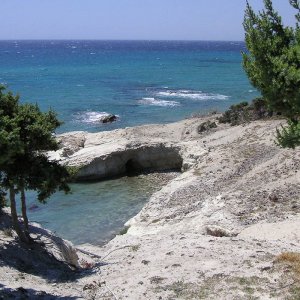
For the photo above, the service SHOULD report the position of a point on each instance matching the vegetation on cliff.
(245, 112)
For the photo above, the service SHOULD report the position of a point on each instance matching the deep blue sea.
(140, 81)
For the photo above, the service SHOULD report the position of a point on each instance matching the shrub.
(244, 112)
(206, 126)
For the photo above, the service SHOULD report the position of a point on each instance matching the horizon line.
(122, 40)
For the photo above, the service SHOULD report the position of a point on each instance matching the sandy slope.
(212, 233)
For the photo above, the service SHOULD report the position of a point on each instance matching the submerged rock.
(33, 207)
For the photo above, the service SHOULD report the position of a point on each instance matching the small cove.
(95, 212)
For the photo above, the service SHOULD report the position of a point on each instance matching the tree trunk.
(24, 212)
(14, 215)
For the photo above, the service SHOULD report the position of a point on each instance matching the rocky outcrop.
(125, 151)
(158, 157)
(108, 119)
(213, 232)
(71, 143)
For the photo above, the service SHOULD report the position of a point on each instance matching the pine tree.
(273, 65)
(26, 134)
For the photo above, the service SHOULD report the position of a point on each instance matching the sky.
(129, 19)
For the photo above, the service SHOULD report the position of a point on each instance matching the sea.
(142, 82)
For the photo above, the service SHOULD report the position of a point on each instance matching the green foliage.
(36, 128)
(26, 133)
(73, 171)
(289, 137)
(124, 230)
(46, 177)
(236, 114)
(205, 126)
(9, 142)
(273, 61)
(244, 112)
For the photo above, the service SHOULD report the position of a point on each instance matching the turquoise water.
(142, 82)
(94, 212)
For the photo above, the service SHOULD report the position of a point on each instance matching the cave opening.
(132, 167)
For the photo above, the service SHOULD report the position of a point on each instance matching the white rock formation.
(151, 147)
(214, 232)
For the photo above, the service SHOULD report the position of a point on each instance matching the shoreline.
(236, 186)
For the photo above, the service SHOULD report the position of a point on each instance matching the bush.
(206, 126)
(73, 172)
(244, 112)
(289, 137)
(236, 114)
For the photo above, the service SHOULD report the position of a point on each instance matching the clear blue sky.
(128, 19)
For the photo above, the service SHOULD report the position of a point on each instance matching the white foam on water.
(90, 116)
(194, 95)
(158, 102)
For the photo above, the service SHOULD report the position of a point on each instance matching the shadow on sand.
(21, 293)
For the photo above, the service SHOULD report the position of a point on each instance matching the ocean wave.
(194, 95)
(158, 102)
(91, 116)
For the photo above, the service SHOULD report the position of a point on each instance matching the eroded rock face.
(131, 150)
(131, 160)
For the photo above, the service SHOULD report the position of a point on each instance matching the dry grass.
(292, 259)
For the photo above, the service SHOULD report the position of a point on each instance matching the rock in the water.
(33, 207)
(108, 118)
